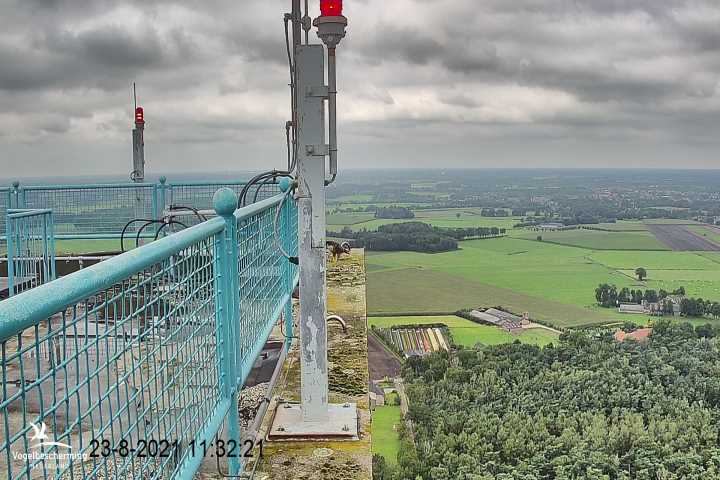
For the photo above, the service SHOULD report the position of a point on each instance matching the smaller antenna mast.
(138, 137)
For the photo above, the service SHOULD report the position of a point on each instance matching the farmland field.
(599, 240)
(554, 283)
(344, 219)
(681, 238)
(467, 333)
(709, 232)
(447, 218)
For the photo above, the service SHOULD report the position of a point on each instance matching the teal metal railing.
(30, 249)
(129, 368)
(101, 211)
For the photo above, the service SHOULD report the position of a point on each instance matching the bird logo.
(41, 437)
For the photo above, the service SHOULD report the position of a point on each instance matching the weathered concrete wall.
(348, 365)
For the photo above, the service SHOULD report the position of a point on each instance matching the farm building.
(632, 308)
(639, 335)
(655, 308)
(501, 319)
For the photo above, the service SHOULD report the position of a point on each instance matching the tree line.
(415, 237)
(394, 213)
(587, 407)
(609, 296)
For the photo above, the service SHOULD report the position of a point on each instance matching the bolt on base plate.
(288, 424)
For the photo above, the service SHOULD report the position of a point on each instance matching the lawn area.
(598, 240)
(385, 440)
(467, 333)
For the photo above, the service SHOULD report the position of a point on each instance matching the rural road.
(680, 239)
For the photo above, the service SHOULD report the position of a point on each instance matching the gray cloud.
(599, 76)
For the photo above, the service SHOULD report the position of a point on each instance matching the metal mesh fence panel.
(31, 249)
(124, 369)
(101, 210)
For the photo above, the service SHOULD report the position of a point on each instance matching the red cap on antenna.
(331, 8)
(139, 115)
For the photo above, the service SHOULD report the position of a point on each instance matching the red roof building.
(639, 335)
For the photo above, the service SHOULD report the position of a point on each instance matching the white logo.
(41, 437)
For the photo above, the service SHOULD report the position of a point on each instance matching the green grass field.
(69, 247)
(598, 240)
(554, 283)
(346, 219)
(467, 333)
(446, 218)
(385, 440)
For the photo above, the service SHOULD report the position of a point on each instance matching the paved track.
(680, 239)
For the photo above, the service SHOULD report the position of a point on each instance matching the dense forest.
(587, 408)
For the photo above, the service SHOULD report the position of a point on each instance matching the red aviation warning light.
(331, 8)
(139, 115)
(331, 23)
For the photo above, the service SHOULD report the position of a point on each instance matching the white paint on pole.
(310, 61)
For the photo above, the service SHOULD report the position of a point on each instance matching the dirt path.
(680, 239)
(382, 363)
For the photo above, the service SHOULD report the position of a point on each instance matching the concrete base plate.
(288, 424)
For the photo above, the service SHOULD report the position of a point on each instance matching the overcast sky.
(464, 83)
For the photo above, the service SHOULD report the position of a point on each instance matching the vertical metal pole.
(311, 231)
(226, 273)
(288, 229)
(138, 174)
(160, 201)
(10, 255)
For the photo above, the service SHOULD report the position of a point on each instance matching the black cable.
(127, 225)
(165, 224)
(145, 225)
(190, 209)
(260, 177)
(257, 192)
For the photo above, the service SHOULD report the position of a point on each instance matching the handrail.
(26, 309)
(27, 212)
(87, 186)
(156, 342)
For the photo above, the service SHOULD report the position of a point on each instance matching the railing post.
(159, 211)
(50, 242)
(288, 231)
(226, 273)
(10, 256)
(15, 192)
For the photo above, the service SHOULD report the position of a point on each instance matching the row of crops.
(417, 341)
